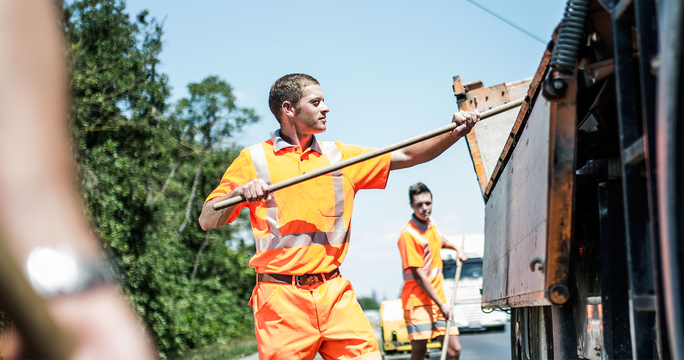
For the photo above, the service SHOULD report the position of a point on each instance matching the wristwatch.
(54, 271)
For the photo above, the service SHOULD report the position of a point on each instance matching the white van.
(468, 312)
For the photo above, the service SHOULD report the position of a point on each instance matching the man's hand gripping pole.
(369, 155)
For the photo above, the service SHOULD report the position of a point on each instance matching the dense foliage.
(369, 302)
(146, 166)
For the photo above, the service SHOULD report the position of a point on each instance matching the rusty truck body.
(584, 187)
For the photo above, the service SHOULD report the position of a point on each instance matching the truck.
(468, 313)
(583, 187)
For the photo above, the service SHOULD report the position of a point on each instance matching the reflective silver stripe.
(262, 243)
(434, 272)
(338, 236)
(439, 324)
(304, 239)
(426, 245)
(261, 166)
(333, 154)
(417, 235)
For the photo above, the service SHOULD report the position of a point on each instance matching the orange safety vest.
(419, 245)
(304, 228)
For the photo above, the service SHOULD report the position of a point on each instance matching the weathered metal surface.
(623, 226)
(515, 220)
(516, 130)
(528, 194)
(563, 124)
(487, 139)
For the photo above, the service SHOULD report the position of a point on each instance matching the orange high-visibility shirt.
(419, 246)
(304, 228)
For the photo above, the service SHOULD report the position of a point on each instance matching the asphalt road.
(479, 346)
(475, 346)
(485, 346)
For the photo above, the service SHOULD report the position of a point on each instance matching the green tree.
(220, 276)
(145, 167)
(207, 118)
(369, 303)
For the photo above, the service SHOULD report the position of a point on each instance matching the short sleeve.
(238, 173)
(412, 251)
(370, 174)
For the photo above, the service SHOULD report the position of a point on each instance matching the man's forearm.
(424, 284)
(252, 191)
(422, 152)
(211, 219)
(459, 251)
(448, 245)
(431, 148)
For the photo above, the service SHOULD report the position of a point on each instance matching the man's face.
(422, 206)
(310, 115)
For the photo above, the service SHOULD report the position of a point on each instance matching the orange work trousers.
(293, 322)
(426, 322)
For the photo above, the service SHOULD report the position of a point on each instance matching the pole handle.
(369, 155)
(457, 277)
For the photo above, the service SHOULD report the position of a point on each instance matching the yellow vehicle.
(394, 334)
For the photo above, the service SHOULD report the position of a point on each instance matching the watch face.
(53, 271)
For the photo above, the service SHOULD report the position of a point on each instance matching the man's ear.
(288, 109)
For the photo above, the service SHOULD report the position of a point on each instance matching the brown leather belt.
(300, 280)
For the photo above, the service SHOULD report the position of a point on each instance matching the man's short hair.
(417, 189)
(288, 88)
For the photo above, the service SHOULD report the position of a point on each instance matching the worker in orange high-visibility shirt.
(422, 297)
(302, 305)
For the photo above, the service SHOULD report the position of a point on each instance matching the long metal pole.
(369, 155)
(457, 277)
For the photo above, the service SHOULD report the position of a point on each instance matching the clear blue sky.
(386, 70)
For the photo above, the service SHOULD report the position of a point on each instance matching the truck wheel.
(530, 337)
(516, 347)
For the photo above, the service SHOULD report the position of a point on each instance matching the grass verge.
(230, 350)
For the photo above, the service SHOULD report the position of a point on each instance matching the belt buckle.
(309, 279)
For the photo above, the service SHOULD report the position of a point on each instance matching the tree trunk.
(151, 200)
(188, 207)
(199, 252)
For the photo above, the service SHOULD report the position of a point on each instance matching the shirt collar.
(279, 143)
(419, 224)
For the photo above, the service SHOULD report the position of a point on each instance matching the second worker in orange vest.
(302, 305)
(422, 296)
